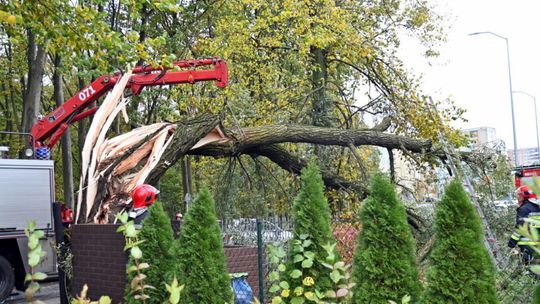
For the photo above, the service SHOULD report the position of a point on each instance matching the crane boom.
(47, 131)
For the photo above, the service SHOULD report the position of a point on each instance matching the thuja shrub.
(137, 268)
(461, 270)
(384, 262)
(158, 240)
(311, 216)
(536, 296)
(200, 255)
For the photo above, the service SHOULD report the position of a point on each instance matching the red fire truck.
(526, 175)
(27, 185)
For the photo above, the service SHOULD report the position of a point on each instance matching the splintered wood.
(112, 168)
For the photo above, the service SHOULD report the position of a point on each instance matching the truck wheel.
(7, 278)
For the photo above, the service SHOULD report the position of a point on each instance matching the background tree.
(384, 265)
(461, 270)
(200, 256)
(157, 252)
(290, 61)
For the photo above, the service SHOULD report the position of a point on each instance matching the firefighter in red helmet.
(143, 196)
(528, 208)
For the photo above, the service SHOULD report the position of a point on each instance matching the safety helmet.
(524, 193)
(143, 196)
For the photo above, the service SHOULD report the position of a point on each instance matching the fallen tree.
(112, 168)
(120, 170)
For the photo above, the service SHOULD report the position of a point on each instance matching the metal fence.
(250, 232)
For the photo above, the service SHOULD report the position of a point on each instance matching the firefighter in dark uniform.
(143, 196)
(528, 208)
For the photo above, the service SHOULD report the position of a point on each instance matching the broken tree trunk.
(145, 154)
(119, 164)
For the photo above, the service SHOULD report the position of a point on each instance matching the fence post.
(260, 260)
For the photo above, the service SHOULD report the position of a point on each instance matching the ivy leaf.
(33, 259)
(310, 296)
(143, 266)
(131, 231)
(105, 300)
(330, 294)
(295, 274)
(280, 252)
(136, 253)
(273, 276)
(298, 258)
(33, 241)
(406, 299)
(307, 263)
(39, 276)
(535, 269)
(297, 300)
(342, 292)
(335, 276)
(274, 288)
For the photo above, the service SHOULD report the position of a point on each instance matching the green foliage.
(174, 291)
(271, 48)
(137, 285)
(536, 298)
(384, 261)
(158, 239)
(170, 194)
(35, 257)
(82, 299)
(310, 289)
(311, 216)
(200, 255)
(461, 270)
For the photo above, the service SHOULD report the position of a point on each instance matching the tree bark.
(274, 134)
(264, 140)
(67, 157)
(32, 96)
(254, 141)
(322, 106)
(186, 136)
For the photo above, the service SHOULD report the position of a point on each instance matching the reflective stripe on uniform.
(530, 243)
(516, 236)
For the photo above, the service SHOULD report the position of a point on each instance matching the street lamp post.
(510, 82)
(535, 122)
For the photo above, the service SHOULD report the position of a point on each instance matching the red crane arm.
(53, 125)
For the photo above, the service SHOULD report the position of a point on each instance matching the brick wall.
(244, 259)
(99, 261)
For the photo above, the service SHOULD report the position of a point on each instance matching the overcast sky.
(472, 70)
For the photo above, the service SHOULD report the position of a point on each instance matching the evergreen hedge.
(158, 239)
(536, 296)
(461, 270)
(384, 261)
(311, 215)
(200, 255)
